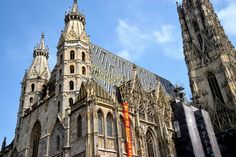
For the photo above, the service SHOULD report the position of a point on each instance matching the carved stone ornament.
(72, 35)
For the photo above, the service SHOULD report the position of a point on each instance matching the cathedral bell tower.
(73, 59)
(210, 58)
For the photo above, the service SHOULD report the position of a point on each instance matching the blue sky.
(145, 32)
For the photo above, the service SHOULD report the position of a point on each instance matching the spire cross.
(75, 1)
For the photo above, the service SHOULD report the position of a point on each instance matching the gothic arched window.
(150, 144)
(32, 87)
(72, 55)
(83, 70)
(100, 122)
(79, 125)
(83, 56)
(109, 120)
(35, 137)
(58, 142)
(215, 89)
(122, 128)
(71, 101)
(72, 69)
(71, 85)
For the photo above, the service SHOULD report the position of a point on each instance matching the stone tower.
(35, 79)
(73, 60)
(210, 58)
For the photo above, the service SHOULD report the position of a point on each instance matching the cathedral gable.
(72, 35)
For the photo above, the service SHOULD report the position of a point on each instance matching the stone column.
(48, 146)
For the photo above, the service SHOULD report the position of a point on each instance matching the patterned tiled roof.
(120, 70)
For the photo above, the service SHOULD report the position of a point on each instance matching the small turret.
(36, 77)
(39, 68)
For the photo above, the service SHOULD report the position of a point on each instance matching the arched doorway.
(150, 144)
(35, 137)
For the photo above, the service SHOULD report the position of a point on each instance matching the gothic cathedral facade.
(73, 110)
(97, 104)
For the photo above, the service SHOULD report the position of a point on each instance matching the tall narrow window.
(58, 142)
(72, 69)
(58, 107)
(109, 121)
(215, 89)
(72, 55)
(35, 137)
(32, 87)
(122, 127)
(79, 125)
(83, 70)
(100, 122)
(71, 101)
(83, 56)
(71, 85)
(196, 26)
(59, 88)
(61, 58)
(150, 144)
(44, 91)
(60, 72)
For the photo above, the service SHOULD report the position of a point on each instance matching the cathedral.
(97, 104)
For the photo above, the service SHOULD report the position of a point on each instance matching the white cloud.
(132, 39)
(165, 35)
(227, 16)
(136, 41)
(169, 38)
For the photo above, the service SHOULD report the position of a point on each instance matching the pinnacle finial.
(4, 144)
(75, 1)
(42, 43)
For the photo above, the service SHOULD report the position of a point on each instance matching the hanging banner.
(127, 130)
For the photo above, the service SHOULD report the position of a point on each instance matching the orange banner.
(127, 130)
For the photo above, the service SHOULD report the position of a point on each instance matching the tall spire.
(75, 7)
(42, 42)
